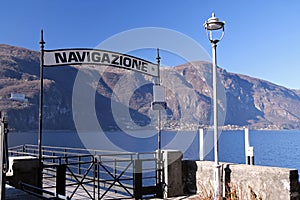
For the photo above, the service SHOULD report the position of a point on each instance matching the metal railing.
(41, 193)
(94, 174)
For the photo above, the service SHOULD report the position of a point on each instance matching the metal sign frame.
(60, 57)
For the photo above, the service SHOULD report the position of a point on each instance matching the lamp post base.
(217, 182)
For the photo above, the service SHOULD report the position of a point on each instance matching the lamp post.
(212, 25)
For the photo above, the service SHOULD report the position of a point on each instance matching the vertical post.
(159, 171)
(79, 165)
(61, 179)
(42, 42)
(217, 183)
(95, 175)
(213, 24)
(115, 173)
(138, 179)
(2, 175)
(201, 144)
(159, 114)
(3, 155)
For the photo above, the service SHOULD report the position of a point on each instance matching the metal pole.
(3, 155)
(217, 182)
(42, 42)
(159, 114)
(159, 174)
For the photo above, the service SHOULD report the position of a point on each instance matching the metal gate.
(93, 174)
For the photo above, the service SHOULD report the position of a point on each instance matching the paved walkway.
(12, 193)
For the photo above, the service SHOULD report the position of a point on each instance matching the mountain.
(122, 99)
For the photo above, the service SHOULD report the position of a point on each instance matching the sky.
(261, 37)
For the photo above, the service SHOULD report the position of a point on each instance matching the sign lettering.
(98, 57)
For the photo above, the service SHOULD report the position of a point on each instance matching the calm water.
(271, 148)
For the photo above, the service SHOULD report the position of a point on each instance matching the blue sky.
(261, 40)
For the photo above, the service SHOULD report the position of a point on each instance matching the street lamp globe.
(213, 24)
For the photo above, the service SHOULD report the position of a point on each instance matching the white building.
(18, 97)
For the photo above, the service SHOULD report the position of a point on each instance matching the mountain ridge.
(246, 101)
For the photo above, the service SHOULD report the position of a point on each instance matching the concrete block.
(172, 173)
(23, 169)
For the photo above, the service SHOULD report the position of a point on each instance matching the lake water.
(271, 148)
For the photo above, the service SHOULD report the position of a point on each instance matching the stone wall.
(244, 181)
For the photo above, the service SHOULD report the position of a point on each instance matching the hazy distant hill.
(247, 101)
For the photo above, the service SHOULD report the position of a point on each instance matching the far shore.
(165, 129)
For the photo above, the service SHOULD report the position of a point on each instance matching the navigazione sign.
(84, 56)
(99, 57)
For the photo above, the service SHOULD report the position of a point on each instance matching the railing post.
(61, 179)
(24, 150)
(65, 155)
(98, 177)
(137, 185)
(95, 175)
(115, 172)
(79, 165)
(53, 155)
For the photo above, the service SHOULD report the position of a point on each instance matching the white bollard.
(249, 151)
(201, 144)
